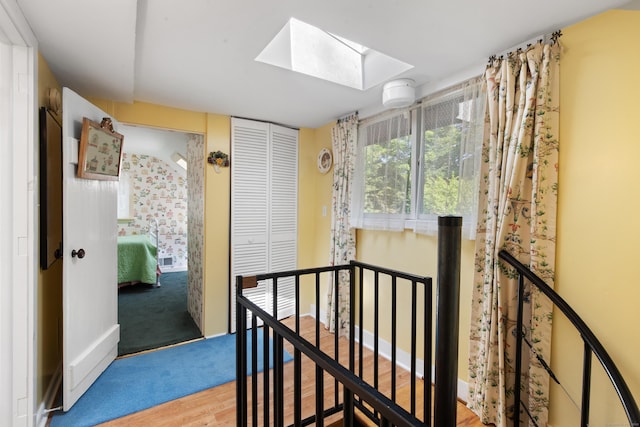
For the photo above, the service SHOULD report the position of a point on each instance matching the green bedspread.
(136, 259)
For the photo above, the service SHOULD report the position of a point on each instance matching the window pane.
(449, 159)
(387, 176)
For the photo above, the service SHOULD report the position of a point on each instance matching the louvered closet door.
(284, 214)
(249, 207)
(264, 181)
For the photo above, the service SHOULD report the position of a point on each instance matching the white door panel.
(90, 296)
(264, 186)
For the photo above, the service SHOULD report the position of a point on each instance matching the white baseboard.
(173, 269)
(403, 358)
(49, 398)
(215, 335)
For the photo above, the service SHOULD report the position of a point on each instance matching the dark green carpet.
(154, 317)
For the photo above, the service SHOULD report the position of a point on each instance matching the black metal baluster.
(336, 335)
(394, 335)
(376, 315)
(254, 370)
(278, 380)
(241, 358)
(297, 302)
(266, 392)
(586, 386)
(275, 297)
(319, 397)
(428, 350)
(518, 367)
(348, 394)
(360, 324)
(317, 310)
(622, 389)
(319, 374)
(347, 411)
(352, 318)
(414, 346)
(297, 363)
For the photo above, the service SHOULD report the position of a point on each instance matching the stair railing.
(592, 346)
(351, 390)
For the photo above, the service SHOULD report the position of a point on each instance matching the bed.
(138, 258)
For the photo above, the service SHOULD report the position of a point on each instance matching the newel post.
(447, 321)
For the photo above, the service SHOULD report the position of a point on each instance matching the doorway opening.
(161, 192)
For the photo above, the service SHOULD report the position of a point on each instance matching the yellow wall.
(217, 222)
(417, 254)
(48, 330)
(597, 230)
(217, 131)
(314, 194)
(405, 251)
(599, 185)
(152, 115)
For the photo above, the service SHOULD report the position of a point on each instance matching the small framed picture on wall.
(100, 152)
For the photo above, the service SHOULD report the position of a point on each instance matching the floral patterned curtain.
(343, 237)
(517, 212)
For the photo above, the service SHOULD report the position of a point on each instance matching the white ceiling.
(159, 143)
(199, 54)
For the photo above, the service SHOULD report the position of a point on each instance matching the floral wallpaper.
(157, 191)
(195, 182)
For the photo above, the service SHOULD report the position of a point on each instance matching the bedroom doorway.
(161, 189)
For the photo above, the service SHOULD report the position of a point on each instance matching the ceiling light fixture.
(398, 93)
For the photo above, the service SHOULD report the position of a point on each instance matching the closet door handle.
(79, 253)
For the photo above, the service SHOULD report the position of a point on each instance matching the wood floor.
(217, 406)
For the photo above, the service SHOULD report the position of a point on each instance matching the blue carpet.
(139, 382)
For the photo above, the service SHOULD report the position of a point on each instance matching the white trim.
(174, 269)
(216, 335)
(403, 358)
(18, 293)
(49, 399)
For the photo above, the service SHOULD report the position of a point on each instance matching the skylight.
(306, 49)
(180, 160)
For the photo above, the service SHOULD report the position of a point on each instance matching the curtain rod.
(548, 37)
(347, 116)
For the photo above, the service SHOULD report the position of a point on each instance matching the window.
(415, 165)
(309, 50)
(384, 156)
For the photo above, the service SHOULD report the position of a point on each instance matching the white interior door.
(90, 295)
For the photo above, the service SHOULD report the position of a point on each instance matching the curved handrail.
(626, 398)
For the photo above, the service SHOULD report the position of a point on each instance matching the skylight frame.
(306, 49)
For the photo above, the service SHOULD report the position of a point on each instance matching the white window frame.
(423, 223)
(379, 221)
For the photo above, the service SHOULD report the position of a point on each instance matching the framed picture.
(325, 160)
(100, 151)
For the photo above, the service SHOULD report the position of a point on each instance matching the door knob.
(79, 253)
